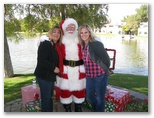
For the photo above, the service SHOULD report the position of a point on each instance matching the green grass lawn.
(12, 86)
(132, 82)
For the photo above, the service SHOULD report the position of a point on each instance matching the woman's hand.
(56, 70)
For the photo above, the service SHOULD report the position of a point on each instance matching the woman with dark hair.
(48, 66)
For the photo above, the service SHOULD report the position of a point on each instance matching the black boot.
(78, 107)
(67, 107)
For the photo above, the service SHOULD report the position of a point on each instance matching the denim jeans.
(46, 90)
(95, 92)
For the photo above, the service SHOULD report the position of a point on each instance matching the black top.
(47, 60)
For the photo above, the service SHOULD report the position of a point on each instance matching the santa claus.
(72, 78)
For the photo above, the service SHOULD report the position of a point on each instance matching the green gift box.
(33, 106)
(110, 107)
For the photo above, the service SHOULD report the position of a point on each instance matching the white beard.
(71, 46)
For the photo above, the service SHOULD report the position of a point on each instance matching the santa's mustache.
(70, 31)
(70, 35)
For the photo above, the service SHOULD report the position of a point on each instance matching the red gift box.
(119, 97)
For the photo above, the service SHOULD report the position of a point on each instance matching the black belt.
(72, 63)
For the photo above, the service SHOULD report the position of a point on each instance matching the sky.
(118, 11)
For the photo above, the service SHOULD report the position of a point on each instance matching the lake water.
(131, 55)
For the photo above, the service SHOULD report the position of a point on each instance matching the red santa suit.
(72, 78)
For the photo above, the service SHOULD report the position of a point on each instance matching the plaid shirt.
(92, 69)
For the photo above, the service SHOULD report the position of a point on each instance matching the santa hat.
(65, 23)
(61, 26)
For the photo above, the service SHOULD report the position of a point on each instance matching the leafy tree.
(40, 17)
(8, 68)
(131, 25)
(32, 16)
(28, 23)
(42, 26)
(142, 13)
(54, 21)
(15, 24)
(133, 21)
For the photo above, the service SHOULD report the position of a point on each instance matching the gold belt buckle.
(72, 63)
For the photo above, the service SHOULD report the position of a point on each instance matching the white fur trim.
(58, 81)
(69, 21)
(82, 69)
(97, 39)
(71, 48)
(78, 100)
(73, 82)
(43, 38)
(65, 69)
(66, 100)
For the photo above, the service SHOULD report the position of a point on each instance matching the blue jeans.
(46, 90)
(95, 92)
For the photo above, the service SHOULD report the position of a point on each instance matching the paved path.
(16, 105)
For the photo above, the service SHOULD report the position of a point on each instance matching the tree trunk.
(63, 11)
(8, 68)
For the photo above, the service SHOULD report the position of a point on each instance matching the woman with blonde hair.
(48, 66)
(97, 63)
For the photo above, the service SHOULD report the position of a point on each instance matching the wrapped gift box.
(109, 106)
(29, 93)
(87, 104)
(33, 106)
(119, 97)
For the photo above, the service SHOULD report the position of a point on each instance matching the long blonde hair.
(51, 31)
(91, 37)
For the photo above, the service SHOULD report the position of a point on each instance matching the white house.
(116, 28)
(143, 29)
(110, 28)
